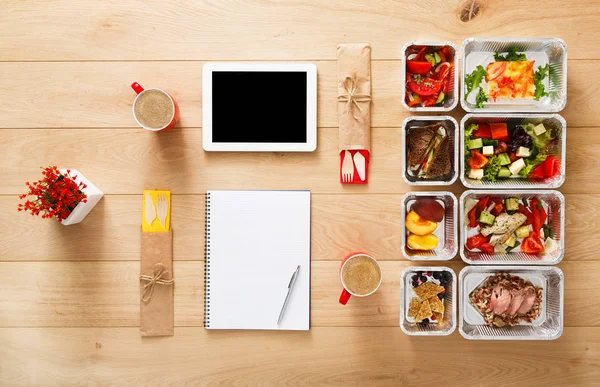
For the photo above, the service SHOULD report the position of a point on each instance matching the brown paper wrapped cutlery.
(354, 111)
(156, 265)
(354, 96)
(156, 284)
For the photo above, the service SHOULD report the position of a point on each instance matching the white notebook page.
(257, 240)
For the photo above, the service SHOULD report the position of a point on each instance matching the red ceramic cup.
(345, 296)
(174, 119)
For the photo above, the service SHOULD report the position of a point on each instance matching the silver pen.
(287, 297)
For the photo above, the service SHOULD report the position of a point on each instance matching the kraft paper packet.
(354, 96)
(156, 305)
(156, 226)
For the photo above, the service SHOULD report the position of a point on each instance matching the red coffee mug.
(345, 296)
(174, 119)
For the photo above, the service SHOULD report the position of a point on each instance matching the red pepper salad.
(429, 72)
(498, 151)
(509, 224)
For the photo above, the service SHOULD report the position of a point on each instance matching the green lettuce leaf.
(511, 56)
(473, 80)
(492, 168)
(538, 77)
(542, 141)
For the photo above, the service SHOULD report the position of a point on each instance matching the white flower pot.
(82, 209)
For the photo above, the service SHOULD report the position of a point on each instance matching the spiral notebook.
(255, 240)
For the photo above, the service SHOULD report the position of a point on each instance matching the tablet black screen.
(259, 106)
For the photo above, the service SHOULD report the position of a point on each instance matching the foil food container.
(448, 324)
(552, 51)
(554, 203)
(449, 103)
(446, 232)
(452, 128)
(549, 326)
(553, 122)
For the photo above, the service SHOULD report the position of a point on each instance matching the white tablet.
(261, 107)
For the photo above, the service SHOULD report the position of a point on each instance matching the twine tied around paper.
(157, 278)
(352, 99)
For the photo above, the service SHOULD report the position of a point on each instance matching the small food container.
(555, 123)
(554, 205)
(449, 103)
(548, 326)
(551, 51)
(446, 232)
(447, 325)
(452, 129)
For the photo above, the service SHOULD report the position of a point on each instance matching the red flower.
(55, 196)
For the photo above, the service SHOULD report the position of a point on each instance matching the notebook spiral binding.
(207, 263)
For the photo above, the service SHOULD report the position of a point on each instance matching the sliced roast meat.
(529, 299)
(518, 295)
(500, 300)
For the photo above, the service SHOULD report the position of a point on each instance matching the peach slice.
(425, 242)
(418, 225)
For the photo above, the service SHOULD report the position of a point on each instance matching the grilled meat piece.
(504, 224)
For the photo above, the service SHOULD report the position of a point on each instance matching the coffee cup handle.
(136, 87)
(344, 297)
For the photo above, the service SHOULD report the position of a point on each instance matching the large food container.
(554, 206)
(449, 103)
(446, 233)
(553, 122)
(451, 126)
(552, 51)
(549, 326)
(448, 324)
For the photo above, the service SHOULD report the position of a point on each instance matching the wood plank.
(91, 294)
(321, 356)
(97, 94)
(283, 30)
(111, 232)
(84, 294)
(132, 160)
(340, 224)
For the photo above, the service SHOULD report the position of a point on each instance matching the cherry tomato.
(475, 241)
(418, 67)
(501, 148)
(425, 87)
(477, 160)
(486, 248)
(532, 244)
(513, 156)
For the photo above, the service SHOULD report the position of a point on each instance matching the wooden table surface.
(69, 298)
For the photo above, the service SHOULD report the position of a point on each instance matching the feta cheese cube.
(539, 130)
(523, 152)
(488, 150)
(516, 166)
(476, 174)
